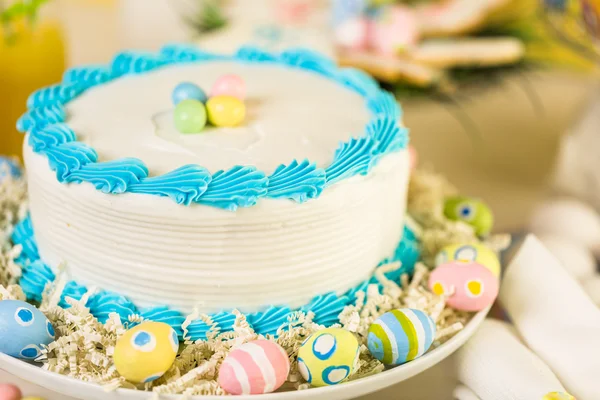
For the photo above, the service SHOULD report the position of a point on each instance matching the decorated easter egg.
(472, 211)
(352, 34)
(256, 367)
(229, 85)
(9, 167)
(190, 116)
(10, 392)
(23, 329)
(394, 31)
(467, 253)
(399, 336)
(328, 357)
(225, 111)
(469, 286)
(145, 352)
(186, 91)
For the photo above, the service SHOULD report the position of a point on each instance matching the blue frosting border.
(240, 186)
(326, 308)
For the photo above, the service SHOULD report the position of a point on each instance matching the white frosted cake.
(303, 199)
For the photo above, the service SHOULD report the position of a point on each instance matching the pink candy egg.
(256, 367)
(469, 286)
(229, 85)
(395, 31)
(9, 392)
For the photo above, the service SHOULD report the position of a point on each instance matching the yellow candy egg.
(328, 357)
(225, 111)
(469, 253)
(145, 352)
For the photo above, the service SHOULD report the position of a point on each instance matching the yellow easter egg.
(328, 357)
(225, 111)
(558, 396)
(145, 352)
(469, 253)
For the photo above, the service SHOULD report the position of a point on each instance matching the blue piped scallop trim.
(240, 186)
(326, 308)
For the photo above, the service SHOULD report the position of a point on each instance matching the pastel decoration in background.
(10, 392)
(395, 30)
(9, 166)
(189, 116)
(343, 10)
(468, 287)
(558, 396)
(229, 85)
(353, 34)
(328, 357)
(145, 352)
(256, 367)
(188, 90)
(225, 111)
(399, 336)
(294, 11)
(472, 211)
(23, 330)
(470, 252)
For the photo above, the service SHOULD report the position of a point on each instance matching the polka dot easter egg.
(257, 367)
(229, 85)
(467, 253)
(145, 352)
(400, 336)
(469, 287)
(473, 212)
(188, 91)
(328, 357)
(23, 330)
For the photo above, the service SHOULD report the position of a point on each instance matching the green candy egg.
(190, 116)
(472, 211)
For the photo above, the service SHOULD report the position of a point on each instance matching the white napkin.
(555, 318)
(495, 365)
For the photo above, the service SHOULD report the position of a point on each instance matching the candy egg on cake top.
(188, 90)
(468, 287)
(145, 352)
(470, 252)
(399, 336)
(225, 111)
(23, 329)
(190, 116)
(229, 85)
(256, 367)
(328, 357)
(472, 211)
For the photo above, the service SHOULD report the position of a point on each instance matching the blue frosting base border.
(240, 186)
(326, 308)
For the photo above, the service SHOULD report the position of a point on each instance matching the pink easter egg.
(256, 367)
(469, 286)
(395, 31)
(229, 85)
(353, 34)
(9, 392)
(413, 157)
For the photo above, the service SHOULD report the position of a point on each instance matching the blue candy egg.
(9, 166)
(23, 329)
(188, 90)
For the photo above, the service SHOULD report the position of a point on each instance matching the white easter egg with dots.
(23, 330)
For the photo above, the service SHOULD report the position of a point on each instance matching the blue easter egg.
(9, 166)
(400, 336)
(187, 91)
(23, 329)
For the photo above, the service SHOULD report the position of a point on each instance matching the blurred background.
(499, 95)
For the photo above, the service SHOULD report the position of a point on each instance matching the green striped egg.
(399, 336)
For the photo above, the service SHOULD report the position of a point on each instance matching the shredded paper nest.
(84, 347)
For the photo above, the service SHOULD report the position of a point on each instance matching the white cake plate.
(76, 388)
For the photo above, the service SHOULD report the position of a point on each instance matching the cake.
(293, 209)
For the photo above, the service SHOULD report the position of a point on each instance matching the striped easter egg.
(256, 367)
(399, 336)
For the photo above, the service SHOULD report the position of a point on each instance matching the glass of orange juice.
(32, 55)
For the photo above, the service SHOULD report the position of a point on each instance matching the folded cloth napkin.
(555, 318)
(495, 365)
